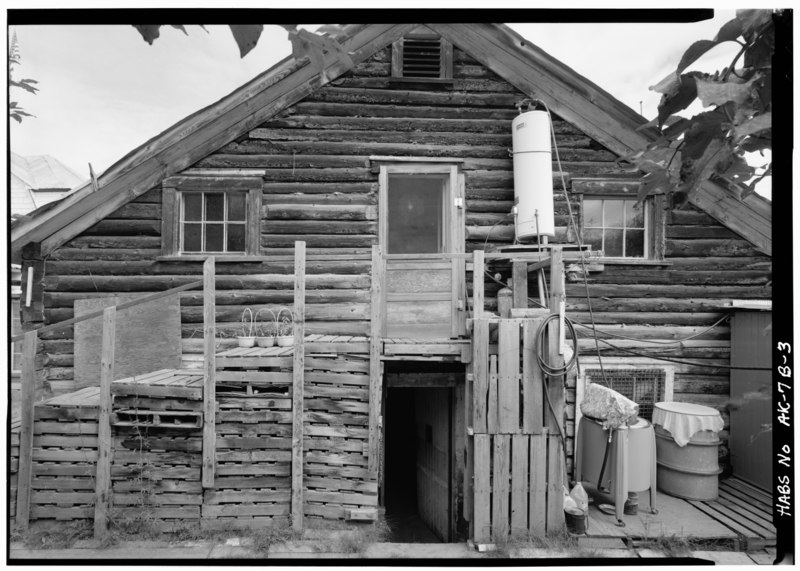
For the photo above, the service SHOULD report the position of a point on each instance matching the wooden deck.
(741, 517)
(746, 510)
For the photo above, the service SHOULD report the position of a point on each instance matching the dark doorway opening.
(417, 475)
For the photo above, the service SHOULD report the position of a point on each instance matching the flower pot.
(246, 341)
(285, 340)
(265, 341)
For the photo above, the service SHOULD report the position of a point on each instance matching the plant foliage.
(321, 50)
(712, 144)
(14, 110)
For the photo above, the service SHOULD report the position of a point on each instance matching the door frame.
(454, 221)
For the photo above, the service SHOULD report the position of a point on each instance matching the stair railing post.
(102, 501)
(28, 393)
(298, 376)
(210, 367)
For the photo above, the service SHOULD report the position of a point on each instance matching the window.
(613, 223)
(422, 57)
(211, 216)
(617, 226)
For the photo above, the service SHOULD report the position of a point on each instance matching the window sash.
(204, 223)
(603, 227)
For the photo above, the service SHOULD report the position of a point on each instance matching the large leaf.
(753, 21)
(669, 85)
(246, 36)
(712, 92)
(24, 84)
(695, 51)
(705, 128)
(656, 182)
(671, 104)
(729, 31)
(149, 32)
(755, 125)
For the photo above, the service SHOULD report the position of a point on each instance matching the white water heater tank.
(533, 175)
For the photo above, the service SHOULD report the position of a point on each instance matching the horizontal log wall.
(320, 187)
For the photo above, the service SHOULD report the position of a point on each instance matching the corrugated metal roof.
(39, 180)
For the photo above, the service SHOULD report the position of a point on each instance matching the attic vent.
(422, 57)
(645, 387)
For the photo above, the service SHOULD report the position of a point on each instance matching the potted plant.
(285, 328)
(247, 339)
(266, 329)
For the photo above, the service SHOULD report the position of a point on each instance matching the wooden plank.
(555, 483)
(480, 364)
(519, 485)
(508, 393)
(519, 277)
(555, 385)
(375, 380)
(145, 299)
(209, 373)
(501, 465)
(104, 445)
(482, 505)
(297, 384)
(532, 385)
(477, 284)
(148, 338)
(492, 422)
(537, 504)
(28, 391)
(271, 378)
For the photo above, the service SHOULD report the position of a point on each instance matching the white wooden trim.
(393, 159)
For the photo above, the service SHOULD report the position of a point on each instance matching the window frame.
(446, 58)
(654, 224)
(173, 190)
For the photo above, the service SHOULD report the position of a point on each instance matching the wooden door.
(751, 397)
(432, 432)
(421, 226)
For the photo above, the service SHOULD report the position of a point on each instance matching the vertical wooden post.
(28, 393)
(298, 366)
(375, 381)
(556, 335)
(102, 479)
(519, 280)
(209, 381)
(477, 284)
(555, 390)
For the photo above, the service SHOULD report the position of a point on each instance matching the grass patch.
(61, 537)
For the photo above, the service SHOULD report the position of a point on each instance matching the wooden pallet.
(337, 481)
(745, 509)
(64, 456)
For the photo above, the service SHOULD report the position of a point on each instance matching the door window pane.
(416, 214)
(236, 240)
(614, 215)
(613, 243)
(634, 243)
(634, 215)
(592, 213)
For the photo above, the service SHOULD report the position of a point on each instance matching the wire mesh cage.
(645, 387)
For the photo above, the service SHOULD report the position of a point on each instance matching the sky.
(103, 91)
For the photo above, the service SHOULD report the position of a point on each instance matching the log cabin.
(372, 202)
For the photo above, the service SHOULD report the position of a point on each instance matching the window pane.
(592, 213)
(236, 205)
(594, 238)
(236, 240)
(215, 205)
(214, 237)
(192, 237)
(634, 243)
(614, 210)
(634, 215)
(415, 215)
(192, 206)
(613, 243)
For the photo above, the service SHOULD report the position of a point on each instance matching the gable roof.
(527, 67)
(39, 180)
